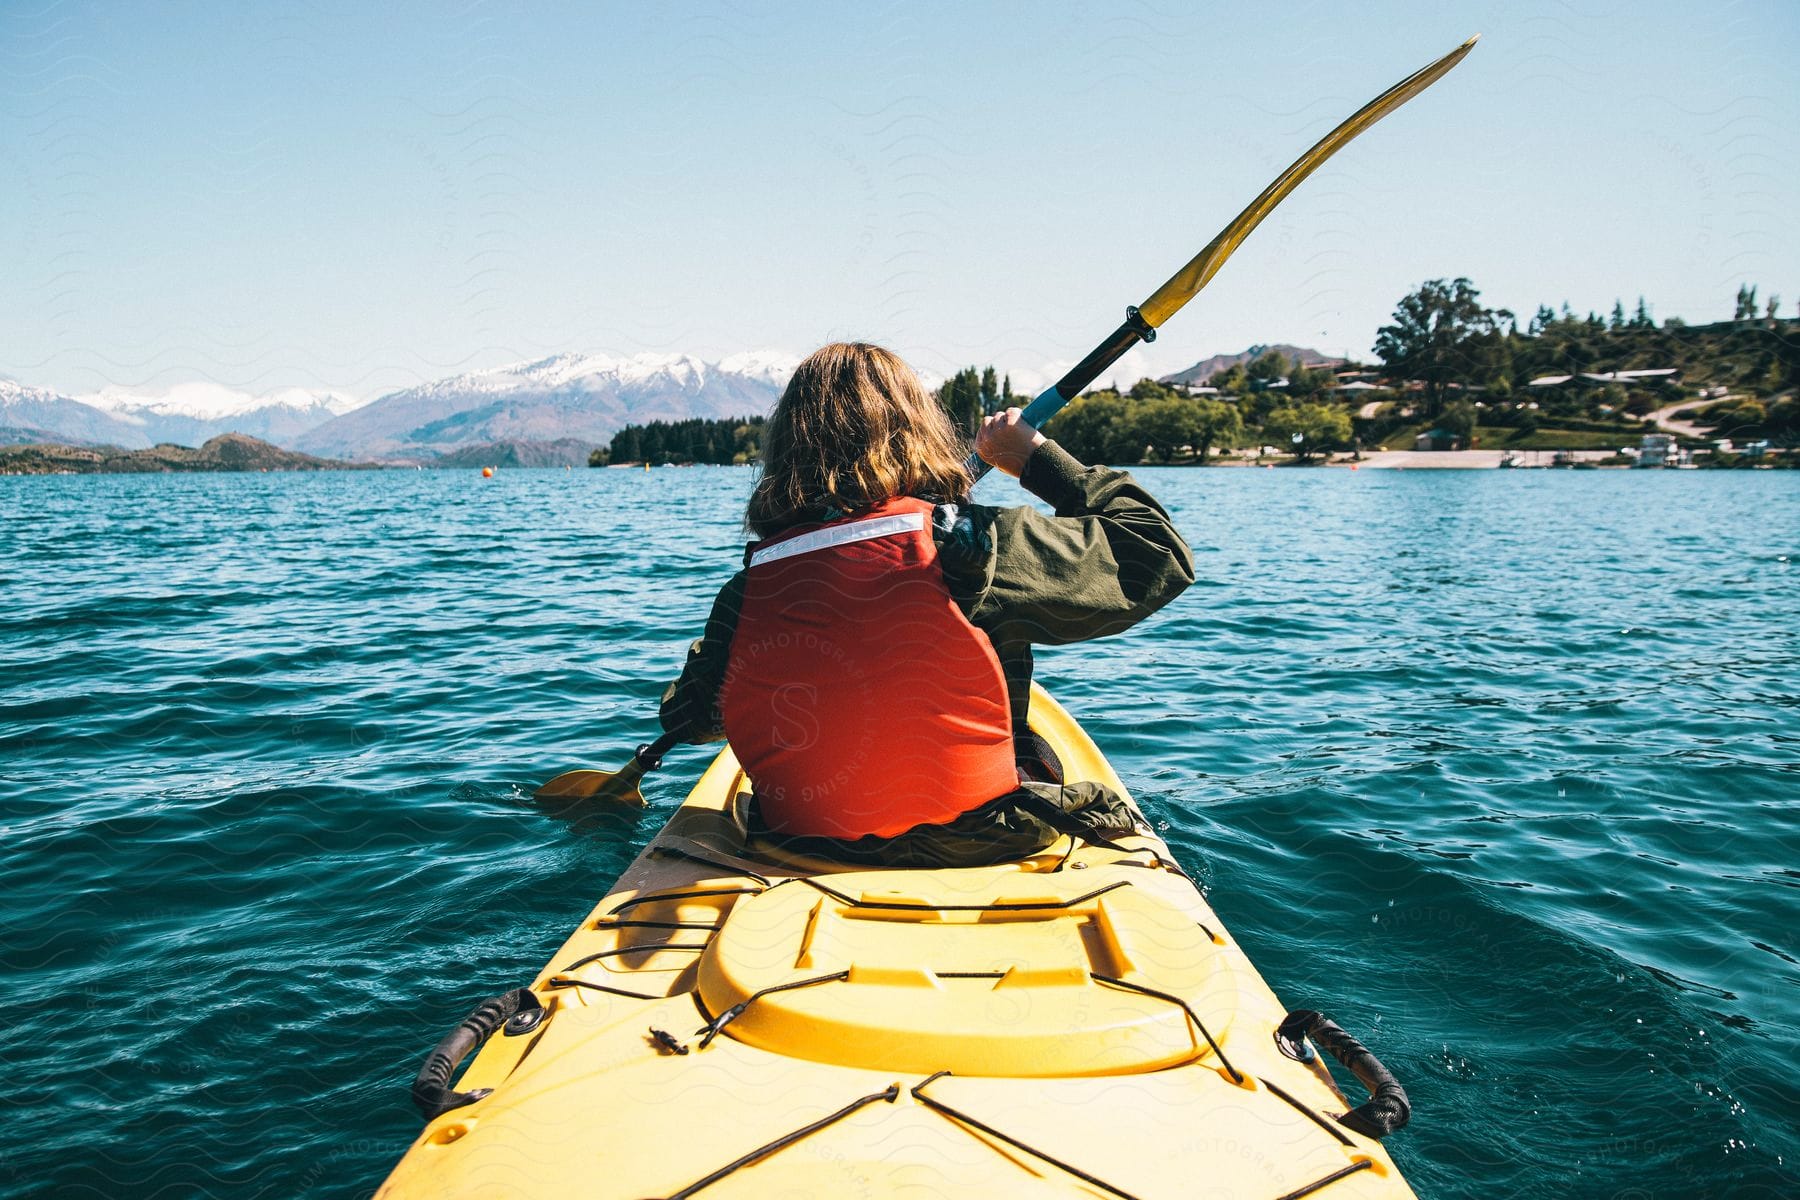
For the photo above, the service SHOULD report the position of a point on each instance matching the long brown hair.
(854, 427)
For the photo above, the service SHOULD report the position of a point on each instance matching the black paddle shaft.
(1134, 330)
(650, 756)
(1050, 401)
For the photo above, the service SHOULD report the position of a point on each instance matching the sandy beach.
(1438, 460)
(1430, 460)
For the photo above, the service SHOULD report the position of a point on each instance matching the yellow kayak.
(735, 1022)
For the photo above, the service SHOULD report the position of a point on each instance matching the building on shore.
(1658, 450)
(1601, 378)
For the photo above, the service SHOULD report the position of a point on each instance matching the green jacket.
(1109, 558)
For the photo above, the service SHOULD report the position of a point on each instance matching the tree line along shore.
(1451, 374)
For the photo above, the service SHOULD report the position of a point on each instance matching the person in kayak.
(871, 663)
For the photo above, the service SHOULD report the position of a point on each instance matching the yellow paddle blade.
(1167, 300)
(606, 787)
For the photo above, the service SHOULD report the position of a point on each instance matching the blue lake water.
(1501, 769)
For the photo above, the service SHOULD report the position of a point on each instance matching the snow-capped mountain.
(39, 414)
(191, 413)
(583, 396)
(773, 367)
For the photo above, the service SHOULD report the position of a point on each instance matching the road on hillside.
(1664, 418)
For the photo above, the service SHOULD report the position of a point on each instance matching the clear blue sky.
(364, 196)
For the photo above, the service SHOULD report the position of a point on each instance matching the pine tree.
(1641, 318)
(961, 397)
(1618, 314)
(695, 439)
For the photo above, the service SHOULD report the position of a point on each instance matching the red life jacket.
(858, 696)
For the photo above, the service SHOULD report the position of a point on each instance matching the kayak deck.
(734, 1022)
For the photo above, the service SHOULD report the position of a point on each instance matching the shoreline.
(1452, 460)
(1407, 460)
(1375, 460)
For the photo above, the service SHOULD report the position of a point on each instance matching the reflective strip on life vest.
(840, 535)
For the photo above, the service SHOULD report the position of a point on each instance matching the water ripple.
(1499, 768)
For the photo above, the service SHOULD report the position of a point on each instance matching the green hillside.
(1450, 364)
(227, 452)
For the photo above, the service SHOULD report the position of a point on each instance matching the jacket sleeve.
(1109, 557)
(690, 705)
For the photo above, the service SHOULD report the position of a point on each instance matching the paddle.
(621, 786)
(1142, 321)
(614, 787)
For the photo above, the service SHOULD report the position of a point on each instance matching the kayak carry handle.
(519, 1010)
(1387, 1109)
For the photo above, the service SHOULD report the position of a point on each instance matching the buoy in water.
(487, 472)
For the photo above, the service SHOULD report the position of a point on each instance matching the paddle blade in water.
(605, 787)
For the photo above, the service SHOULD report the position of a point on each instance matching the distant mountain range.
(1206, 368)
(546, 412)
(568, 396)
(186, 415)
(550, 411)
(191, 413)
(33, 414)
